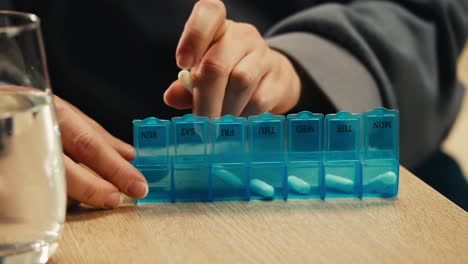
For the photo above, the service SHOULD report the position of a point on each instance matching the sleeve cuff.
(332, 79)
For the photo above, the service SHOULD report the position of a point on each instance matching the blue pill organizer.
(264, 157)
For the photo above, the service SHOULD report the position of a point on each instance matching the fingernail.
(138, 189)
(184, 62)
(113, 200)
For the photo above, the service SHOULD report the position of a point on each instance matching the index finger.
(82, 143)
(125, 150)
(206, 24)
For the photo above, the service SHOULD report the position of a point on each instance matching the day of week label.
(187, 131)
(149, 134)
(304, 129)
(228, 132)
(382, 124)
(344, 128)
(266, 130)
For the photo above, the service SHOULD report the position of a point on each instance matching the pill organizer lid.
(151, 137)
(380, 137)
(228, 139)
(343, 135)
(189, 118)
(305, 132)
(266, 137)
(190, 135)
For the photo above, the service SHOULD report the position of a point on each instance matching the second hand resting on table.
(234, 72)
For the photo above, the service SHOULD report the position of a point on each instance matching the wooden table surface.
(420, 226)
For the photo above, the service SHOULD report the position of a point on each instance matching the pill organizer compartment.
(380, 157)
(229, 170)
(151, 138)
(305, 155)
(267, 157)
(343, 170)
(191, 164)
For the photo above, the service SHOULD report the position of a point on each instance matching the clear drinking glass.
(32, 177)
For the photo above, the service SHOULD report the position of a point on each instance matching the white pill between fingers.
(228, 177)
(186, 78)
(262, 188)
(298, 185)
(339, 183)
(382, 183)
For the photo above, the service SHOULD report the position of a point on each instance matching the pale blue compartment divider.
(151, 138)
(343, 169)
(191, 162)
(267, 157)
(305, 169)
(380, 158)
(229, 160)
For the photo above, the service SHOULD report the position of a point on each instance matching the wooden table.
(420, 226)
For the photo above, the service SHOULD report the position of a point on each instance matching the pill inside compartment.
(267, 157)
(191, 167)
(343, 169)
(151, 139)
(229, 171)
(380, 157)
(305, 155)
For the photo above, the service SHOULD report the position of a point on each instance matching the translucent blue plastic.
(342, 155)
(229, 171)
(268, 156)
(305, 155)
(380, 158)
(267, 152)
(191, 165)
(151, 139)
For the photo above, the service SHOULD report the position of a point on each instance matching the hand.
(85, 141)
(233, 69)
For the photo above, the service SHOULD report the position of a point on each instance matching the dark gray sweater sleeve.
(364, 54)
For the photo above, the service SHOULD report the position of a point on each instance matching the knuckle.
(115, 174)
(198, 5)
(89, 193)
(242, 79)
(259, 104)
(194, 36)
(212, 66)
(215, 5)
(195, 33)
(85, 145)
(61, 110)
(250, 29)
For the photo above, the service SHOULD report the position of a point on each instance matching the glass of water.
(32, 177)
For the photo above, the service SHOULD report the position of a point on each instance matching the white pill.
(339, 183)
(383, 183)
(228, 177)
(298, 185)
(186, 78)
(262, 188)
